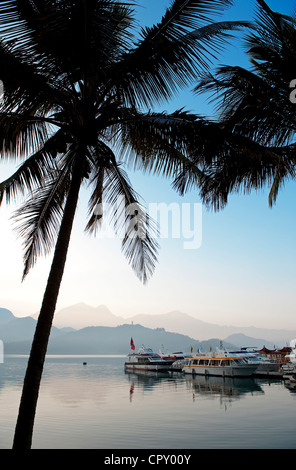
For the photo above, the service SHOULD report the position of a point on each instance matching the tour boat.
(265, 366)
(218, 365)
(289, 368)
(146, 359)
(177, 360)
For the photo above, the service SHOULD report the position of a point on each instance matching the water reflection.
(291, 385)
(147, 378)
(149, 381)
(101, 405)
(227, 389)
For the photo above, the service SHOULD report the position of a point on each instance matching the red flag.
(132, 344)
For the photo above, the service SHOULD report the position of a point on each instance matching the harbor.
(246, 362)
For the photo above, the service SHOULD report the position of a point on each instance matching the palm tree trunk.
(27, 410)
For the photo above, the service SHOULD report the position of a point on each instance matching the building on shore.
(278, 355)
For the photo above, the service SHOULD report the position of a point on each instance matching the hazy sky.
(242, 272)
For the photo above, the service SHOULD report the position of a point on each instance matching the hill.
(200, 330)
(81, 315)
(14, 329)
(115, 340)
(172, 331)
(5, 316)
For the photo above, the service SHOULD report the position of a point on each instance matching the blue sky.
(242, 274)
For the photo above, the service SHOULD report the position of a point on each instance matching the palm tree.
(79, 85)
(256, 110)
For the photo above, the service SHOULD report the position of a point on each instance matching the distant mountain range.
(104, 333)
(81, 315)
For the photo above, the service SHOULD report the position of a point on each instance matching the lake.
(100, 406)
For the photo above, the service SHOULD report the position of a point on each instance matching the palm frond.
(159, 143)
(38, 220)
(251, 105)
(241, 165)
(171, 54)
(131, 223)
(39, 167)
(74, 35)
(96, 203)
(21, 135)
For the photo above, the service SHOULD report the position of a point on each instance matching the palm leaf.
(171, 54)
(39, 167)
(131, 223)
(96, 203)
(38, 220)
(158, 143)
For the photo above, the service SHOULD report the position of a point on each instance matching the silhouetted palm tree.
(78, 83)
(255, 110)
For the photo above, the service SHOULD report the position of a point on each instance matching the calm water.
(99, 406)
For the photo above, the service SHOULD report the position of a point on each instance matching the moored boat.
(146, 359)
(289, 367)
(177, 360)
(218, 365)
(265, 366)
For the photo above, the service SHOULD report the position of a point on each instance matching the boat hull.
(270, 370)
(245, 371)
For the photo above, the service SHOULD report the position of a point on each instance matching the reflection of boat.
(148, 373)
(290, 382)
(219, 365)
(146, 359)
(288, 370)
(227, 388)
(265, 367)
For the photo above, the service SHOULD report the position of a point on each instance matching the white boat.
(146, 359)
(214, 364)
(265, 367)
(172, 356)
(177, 359)
(289, 368)
(292, 356)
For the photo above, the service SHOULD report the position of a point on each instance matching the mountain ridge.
(14, 329)
(175, 321)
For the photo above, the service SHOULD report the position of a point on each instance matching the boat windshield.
(240, 361)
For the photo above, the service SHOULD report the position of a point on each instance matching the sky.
(235, 267)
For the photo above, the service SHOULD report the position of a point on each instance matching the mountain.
(100, 334)
(5, 316)
(81, 316)
(183, 323)
(200, 330)
(115, 340)
(240, 341)
(13, 329)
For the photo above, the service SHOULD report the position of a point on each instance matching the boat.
(265, 366)
(219, 365)
(172, 356)
(177, 360)
(146, 359)
(289, 367)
